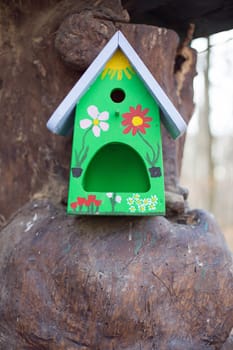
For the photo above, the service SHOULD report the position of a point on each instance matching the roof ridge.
(61, 121)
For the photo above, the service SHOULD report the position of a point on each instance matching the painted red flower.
(136, 120)
(81, 201)
(90, 199)
(74, 205)
(97, 202)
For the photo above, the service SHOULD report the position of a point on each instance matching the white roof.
(61, 121)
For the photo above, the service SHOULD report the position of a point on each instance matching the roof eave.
(170, 117)
(61, 121)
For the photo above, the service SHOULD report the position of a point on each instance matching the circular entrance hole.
(117, 95)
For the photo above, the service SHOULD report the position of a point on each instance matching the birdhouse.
(115, 111)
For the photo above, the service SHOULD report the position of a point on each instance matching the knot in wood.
(81, 37)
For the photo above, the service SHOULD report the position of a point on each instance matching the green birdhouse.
(115, 110)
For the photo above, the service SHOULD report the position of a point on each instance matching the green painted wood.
(127, 173)
(116, 165)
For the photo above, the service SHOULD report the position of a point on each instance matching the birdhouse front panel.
(116, 165)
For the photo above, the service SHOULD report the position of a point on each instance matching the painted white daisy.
(130, 200)
(142, 208)
(136, 195)
(132, 209)
(97, 121)
(139, 201)
(146, 201)
(154, 199)
(152, 206)
(109, 194)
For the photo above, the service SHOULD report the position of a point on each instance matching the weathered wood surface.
(121, 283)
(36, 43)
(228, 345)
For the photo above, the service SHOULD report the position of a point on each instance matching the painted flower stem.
(113, 201)
(152, 161)
(79, 160)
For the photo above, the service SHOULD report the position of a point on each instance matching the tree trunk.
(205, 146)
(34, 79)
(98, 282)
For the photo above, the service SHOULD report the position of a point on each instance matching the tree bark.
(102, 284)
(96, 283)
(206, 141)
(35, 79)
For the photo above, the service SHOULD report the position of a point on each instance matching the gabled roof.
(61, 121)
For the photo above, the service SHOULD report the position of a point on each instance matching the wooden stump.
(105, 283)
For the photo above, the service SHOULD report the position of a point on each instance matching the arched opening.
(116, 167)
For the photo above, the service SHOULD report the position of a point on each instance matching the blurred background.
(208, 159)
